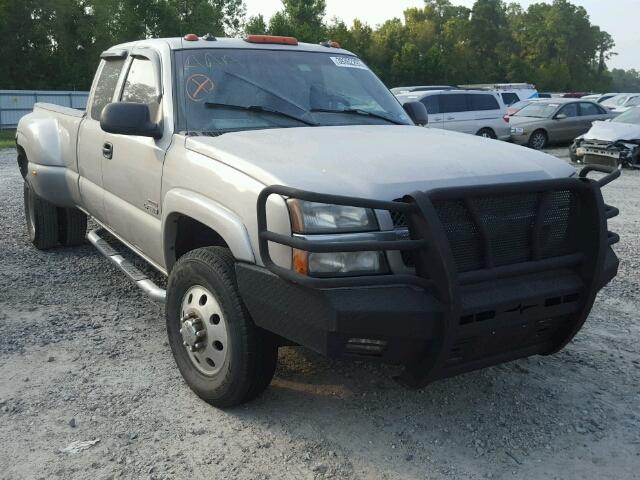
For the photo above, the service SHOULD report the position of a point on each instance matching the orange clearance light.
(271, 39)
(330, 44)
(300, 261)
(191, 37)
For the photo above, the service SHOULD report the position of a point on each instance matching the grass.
(7, 138)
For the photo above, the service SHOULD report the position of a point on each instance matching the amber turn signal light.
(300, 261)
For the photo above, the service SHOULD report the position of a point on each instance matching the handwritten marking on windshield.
(198, 87)
(208, 61)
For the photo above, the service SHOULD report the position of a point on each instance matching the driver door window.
(141, 85)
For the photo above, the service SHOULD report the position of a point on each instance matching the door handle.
(451, 118)
(107, 150)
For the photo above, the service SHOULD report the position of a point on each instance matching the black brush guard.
(462, 341)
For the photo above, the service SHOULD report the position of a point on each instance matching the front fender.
(179, 202)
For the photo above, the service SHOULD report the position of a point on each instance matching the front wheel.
(538, 140)
(487, 133)
(221, 354)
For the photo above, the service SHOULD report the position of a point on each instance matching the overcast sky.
(621, 18)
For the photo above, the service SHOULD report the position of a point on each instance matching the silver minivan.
(478, 112)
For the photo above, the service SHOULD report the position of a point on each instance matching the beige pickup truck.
(291, 200)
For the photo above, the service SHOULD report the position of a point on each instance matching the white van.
(478, 112)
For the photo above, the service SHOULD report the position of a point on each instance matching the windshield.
(223, 90)
(615, 101)
(630, 116)
(632, 102)
(538, 110)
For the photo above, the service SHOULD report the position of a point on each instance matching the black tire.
(538, 140)
(252, 353)
(42, 219)
(487, 133)
(73, 227)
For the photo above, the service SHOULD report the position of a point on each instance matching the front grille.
(493, 231)
(594, 159)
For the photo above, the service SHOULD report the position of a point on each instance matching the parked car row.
(604, 128)
(554, 120)
(476, 112)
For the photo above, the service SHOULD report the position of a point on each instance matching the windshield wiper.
(259, 108)
(357, 111)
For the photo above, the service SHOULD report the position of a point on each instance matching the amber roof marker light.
(271, 39)
(330, 44)
(191, 37)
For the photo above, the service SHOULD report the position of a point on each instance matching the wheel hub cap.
(204, 330)
(193, 332)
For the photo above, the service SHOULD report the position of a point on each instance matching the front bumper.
(400, 324)
(447, 318)
(609, 154)
(520, 139)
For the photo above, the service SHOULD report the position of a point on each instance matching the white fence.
(14, 104)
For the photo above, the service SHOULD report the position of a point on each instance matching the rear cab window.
(105, 87)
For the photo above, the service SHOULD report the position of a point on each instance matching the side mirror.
(129, 119)
(418, 112)
(561, 116)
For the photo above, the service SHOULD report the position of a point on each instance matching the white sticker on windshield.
(349, 62)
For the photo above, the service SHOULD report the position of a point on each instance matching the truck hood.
(375, 161)
(613, 131)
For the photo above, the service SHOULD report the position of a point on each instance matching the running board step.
(143, 282)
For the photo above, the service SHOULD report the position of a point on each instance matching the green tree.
(256, 25)
(303, 19)
(625, 80)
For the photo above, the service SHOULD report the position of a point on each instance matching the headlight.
(312, 217)
(517, 130)
(339, 264)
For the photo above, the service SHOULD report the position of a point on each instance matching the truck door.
(91, 136)
(132, 169)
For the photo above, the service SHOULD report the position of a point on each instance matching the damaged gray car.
(614, 142)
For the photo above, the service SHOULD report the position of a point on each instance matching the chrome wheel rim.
(204, 330)
(537, 141)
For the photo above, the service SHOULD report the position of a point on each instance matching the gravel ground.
(83, 358)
